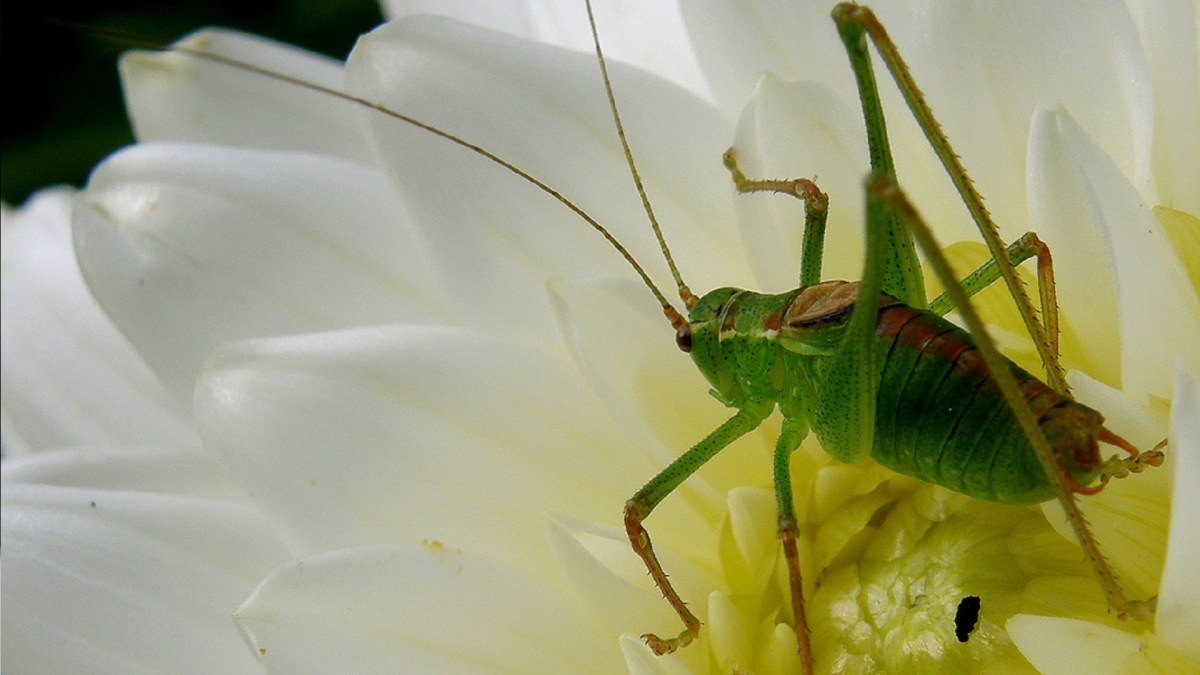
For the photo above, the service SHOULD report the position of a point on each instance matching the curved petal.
(1058, 211)
(1087, 211)
(737, 42)
(1178, 620)
(611, 579)
(128, 580)
(430, 608)
(69, 377)
(1077, 646)
(150, 469)
(500, 237)
(626, 351)
(173, 96)
(1011, 58)
(1129, 517)
(188, 247)
(794, 130)
(649, 35)
(1170, 37)
(406, 433)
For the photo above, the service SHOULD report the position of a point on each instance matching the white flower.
(407, 369)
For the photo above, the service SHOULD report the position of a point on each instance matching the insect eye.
(683, 338)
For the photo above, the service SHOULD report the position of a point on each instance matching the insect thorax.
(760, 347)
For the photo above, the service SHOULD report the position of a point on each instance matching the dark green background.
(62, 101)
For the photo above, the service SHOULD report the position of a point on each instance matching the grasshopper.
(873, 371)
(833, 356)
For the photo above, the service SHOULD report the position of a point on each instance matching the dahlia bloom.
(380, 401)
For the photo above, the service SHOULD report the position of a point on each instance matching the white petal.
(190, 246)
(752, 520)
(167, 470)
(1170, 36)
(1081, 188)
(626, 350)
(649, 35)
(408, 433)
(1129, 517)
(519, 18)
(1009, 59)
(177, 97)
(740, 643)
(1058, 211)
(418, 609)
(543, 110)
(800, 130)
(1178, 619)
(100, 580)
(1067, 646)
(737, 42)
(70, 378)
(610, 578)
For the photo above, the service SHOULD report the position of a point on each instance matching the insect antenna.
(685, 293)
(677, 320)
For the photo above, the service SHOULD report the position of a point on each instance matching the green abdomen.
(941, 417)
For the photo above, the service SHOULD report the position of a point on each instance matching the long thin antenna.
(677, 320)
(685, 293)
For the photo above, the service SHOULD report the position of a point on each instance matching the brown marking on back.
(826, 303)
(774, 321)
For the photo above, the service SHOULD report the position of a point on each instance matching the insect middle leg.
(1024, 248)
(790, 437)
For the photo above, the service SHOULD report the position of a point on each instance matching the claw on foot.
(662, 646)
(1138, 610)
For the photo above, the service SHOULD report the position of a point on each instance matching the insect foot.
(1136, 462)
(635, 512)
(1138, 610)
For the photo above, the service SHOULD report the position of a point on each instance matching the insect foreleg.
(1028, 246)
(816, 213)
(1002, 374)
(643, 502)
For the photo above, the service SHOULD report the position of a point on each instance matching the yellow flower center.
(888, 560)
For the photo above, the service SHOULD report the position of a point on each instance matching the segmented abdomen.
(941, 418)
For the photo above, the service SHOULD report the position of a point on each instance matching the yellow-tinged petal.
(1183, 231)
(1066, 646)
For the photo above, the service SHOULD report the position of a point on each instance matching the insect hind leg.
(1121, 604)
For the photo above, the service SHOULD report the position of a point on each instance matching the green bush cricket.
(833, 356)
(830, 355)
